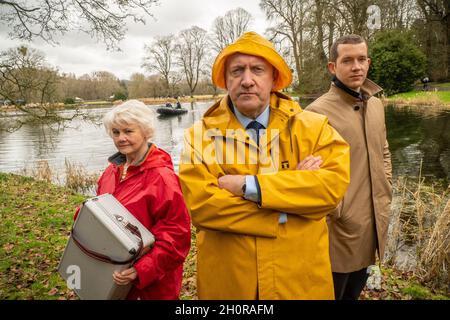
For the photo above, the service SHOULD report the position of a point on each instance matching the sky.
(79, 54)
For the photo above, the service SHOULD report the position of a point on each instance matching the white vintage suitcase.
(105, 238)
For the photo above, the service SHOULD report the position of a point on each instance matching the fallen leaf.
(52, 292)
(8, 247)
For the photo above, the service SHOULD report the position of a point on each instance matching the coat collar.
(154, 158)
(263, 118)
(119, 158)
(368, 89)
(221, 118)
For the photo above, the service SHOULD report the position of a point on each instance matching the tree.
(228, 28)
(435, 34)
(27, 80)
(25, 75)
(290, 19)
(103, 19)
(68, 86)
(157, 88)
(192, 49)
(396, 61)
(354, 15)
(324, 26)
(138, 86)
(159, 57)
(397, 14)
(105, 84)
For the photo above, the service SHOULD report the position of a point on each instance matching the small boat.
(169, 111)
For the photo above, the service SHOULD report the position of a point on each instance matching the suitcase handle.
(101, 257)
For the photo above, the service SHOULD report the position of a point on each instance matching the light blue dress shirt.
(251, 192)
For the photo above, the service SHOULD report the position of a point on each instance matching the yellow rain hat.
(253, 44)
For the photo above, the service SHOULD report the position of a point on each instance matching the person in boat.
(178, 104)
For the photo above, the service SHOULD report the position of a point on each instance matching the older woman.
(142, 178)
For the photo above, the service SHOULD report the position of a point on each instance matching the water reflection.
(414, 135)
(418, 135)
(85, 142)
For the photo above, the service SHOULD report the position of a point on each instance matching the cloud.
(79, 54)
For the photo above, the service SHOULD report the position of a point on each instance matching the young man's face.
(352, 65)
(249, 80)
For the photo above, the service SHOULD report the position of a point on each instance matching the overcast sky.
(79, 54)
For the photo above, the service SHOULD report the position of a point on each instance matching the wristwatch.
(244, 187)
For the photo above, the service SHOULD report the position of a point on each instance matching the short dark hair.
(348, 39)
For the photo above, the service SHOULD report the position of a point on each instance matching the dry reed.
(75, 177)
(41, 171)
(78, 179)
(420, 220)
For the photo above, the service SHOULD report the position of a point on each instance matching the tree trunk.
(319, 13)
(297, 61)
(447, 19)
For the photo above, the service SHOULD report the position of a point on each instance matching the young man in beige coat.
(358, 227)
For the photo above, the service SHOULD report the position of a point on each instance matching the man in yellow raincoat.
(259, 176)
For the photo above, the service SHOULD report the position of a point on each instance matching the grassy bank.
(421, 98)
(36, 218)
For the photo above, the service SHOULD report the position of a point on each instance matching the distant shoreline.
(104, 103)
(412, 99)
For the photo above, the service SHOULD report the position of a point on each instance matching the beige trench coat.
(358, 227)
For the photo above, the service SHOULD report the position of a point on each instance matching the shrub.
(396, 61)
(69, 101)
(120, 96)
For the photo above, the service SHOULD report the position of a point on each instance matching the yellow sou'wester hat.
(253, 44)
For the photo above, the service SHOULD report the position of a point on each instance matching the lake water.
(414, 135)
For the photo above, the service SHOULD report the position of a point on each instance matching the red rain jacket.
(152, 192)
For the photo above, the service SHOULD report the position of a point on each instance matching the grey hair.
(130, 112)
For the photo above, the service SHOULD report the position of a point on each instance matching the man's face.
(249, 80)
(352, 65)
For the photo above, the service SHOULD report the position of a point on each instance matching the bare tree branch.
(192, 48)
(46, 19)
(30, 84)
(228, 28)
(159, 57)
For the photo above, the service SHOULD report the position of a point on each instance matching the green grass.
(399, 285)
(36, 219)
(443, 96)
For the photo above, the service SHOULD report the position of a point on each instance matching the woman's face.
(129, 139)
